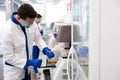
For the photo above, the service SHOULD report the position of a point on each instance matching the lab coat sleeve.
(38, 38)
(10, 57)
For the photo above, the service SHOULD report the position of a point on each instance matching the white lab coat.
(14, 49)
(39, 28)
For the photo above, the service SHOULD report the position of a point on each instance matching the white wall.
(110, 40)
(94, 40)
(104, 39)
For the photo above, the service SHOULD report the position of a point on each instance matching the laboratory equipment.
(69, 68)
(60, 72)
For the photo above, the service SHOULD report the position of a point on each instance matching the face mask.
(26, 25)
(38, 21)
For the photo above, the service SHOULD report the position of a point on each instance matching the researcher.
(38, 20)
(18, 36)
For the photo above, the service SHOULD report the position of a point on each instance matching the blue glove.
(35, 69)
(41, 32)
(83, 52)
(55, 35)
(34, 62)
(48, 52)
